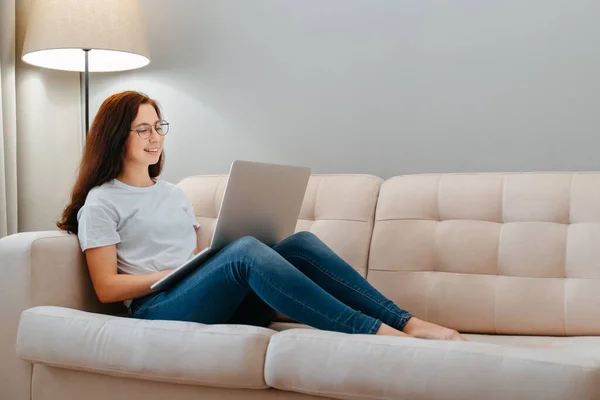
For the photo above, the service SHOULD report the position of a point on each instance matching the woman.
(134, 228)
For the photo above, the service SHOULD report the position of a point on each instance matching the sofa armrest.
(38, 268)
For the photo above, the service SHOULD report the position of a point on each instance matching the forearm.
(120, 287)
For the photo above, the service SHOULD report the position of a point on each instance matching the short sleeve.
(97, 227)
(190, 211)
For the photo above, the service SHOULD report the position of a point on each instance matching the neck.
(135, 175)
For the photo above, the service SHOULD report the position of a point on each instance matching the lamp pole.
(86, 78)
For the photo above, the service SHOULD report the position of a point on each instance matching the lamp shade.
(114, 31)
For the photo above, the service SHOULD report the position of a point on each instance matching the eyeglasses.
(145, 130)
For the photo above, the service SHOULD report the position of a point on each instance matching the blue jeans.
(300, 277)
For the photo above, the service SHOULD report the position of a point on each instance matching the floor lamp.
(86, 36)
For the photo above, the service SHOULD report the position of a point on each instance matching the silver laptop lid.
(260, 200)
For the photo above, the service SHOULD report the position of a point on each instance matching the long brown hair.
(105, 150)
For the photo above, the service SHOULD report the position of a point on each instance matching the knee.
(300, 240)
(304, 237)
(248, 244)
(253, 253)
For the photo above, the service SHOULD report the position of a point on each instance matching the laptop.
(260, 200)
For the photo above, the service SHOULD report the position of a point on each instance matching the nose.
(154, 135)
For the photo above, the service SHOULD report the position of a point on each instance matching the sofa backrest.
(492, 253)
(339, 209)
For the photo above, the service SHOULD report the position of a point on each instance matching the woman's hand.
(161, 274)
(164, 273)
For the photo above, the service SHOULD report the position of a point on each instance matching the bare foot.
(426, 330)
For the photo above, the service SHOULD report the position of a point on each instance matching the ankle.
(386, 330)
(413, 325)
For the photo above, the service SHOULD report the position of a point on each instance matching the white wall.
(373, 86)
(49, 134)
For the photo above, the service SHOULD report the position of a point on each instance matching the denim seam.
(304, 305)
(167, 301)
(403, 318)
(375, 327)
(404, 321)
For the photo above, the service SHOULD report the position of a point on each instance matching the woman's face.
(144, 144)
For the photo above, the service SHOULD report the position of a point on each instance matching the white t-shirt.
(152, 227)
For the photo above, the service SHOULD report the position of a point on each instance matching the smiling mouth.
(151, 150)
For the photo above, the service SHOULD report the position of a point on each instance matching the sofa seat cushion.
(374, 367)
(179, 352)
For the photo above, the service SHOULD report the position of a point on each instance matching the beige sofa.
(511, 259)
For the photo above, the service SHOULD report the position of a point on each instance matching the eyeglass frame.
(162, 123)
